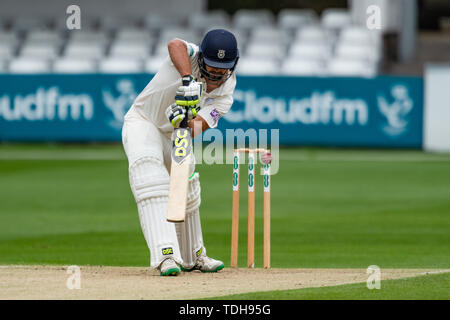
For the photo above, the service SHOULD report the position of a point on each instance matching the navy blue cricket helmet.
(218, 50)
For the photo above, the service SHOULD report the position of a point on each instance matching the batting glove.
(192, 112)
(175, 114)
(189, 93)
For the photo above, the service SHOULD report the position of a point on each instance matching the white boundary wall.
(436, 135)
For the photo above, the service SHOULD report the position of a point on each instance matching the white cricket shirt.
(153, 101)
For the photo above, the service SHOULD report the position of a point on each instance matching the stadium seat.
(9, 38)
(346, 68)
(312, 34)
(134, 34)
(6, 51)
(153, 63)
(44, 37)
(161, 49)
(260, 49)
(180, 33)
(292, 19)
(248, 19)
(269, 34)
(88, 36)
(39, 50)
(302, 67)
(306, 50)
(158, 22)
(84, 50)
(24, 23)
(358, 52)
(68, 65)
(3, 66)
(360, 36)
(113, 23)
(130, 49)
(120, 65)
(253, 66)
(336, 19)
(215, 19)
(29, 65)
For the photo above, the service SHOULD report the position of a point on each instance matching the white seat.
(345, 67)
(156, 22)
(26, 23)
(295, 18)
(269, 34)
(264, 50)
(84, 50)
(335, 19)
(360, 35)
(6, 51)
(313, 33)
(39, 50)
(134, 34)
(308, 50)
(88, 36)
(249, 19)
(127, 49)
(161, 49)
(252, 66)
(358, 52)
(29, 65)
(44, 37)
(180, 33)
(8, 38)
(3, 66)
(215, 19)
(153, 63)
(68, 65)
(119, 65)
(301, 67)
(111, 23)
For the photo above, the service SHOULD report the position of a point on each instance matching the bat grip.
(184, 123)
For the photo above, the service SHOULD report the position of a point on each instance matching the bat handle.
(184, 123)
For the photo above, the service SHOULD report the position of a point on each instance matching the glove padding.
(176, 114)
(189, 93)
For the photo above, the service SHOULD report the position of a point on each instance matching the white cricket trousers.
(149, 157)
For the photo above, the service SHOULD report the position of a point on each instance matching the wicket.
(251, 209)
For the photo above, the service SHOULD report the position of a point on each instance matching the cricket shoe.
(206, 264)
(169, 268)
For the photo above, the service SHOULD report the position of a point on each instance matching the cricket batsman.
(196, 83)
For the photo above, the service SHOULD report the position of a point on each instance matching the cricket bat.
(179, 172)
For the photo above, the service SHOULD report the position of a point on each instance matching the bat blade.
(179, 174)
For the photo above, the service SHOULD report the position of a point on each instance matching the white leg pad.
(149, 182)
(189, 232)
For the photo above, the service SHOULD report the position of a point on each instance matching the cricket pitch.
(97, 282)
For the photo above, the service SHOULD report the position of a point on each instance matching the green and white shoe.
(169, 268)
(206, 264)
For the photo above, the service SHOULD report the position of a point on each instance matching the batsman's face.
(217, 73)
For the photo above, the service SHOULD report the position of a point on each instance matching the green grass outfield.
(72, 204)
(427, 287)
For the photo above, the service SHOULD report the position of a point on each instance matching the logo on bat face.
(221, 54)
